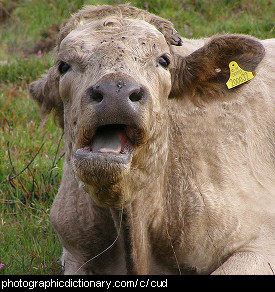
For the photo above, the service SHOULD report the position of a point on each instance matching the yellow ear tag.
(238, 75)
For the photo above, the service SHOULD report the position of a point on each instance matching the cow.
(167, 170)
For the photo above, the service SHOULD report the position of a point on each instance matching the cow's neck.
(123, 219)
(139, 219)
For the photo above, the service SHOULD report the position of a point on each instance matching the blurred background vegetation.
(31, 148)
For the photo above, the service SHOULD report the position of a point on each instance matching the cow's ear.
(166, 28)
(203, 74)
(46, 92)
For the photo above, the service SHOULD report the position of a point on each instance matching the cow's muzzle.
(120, 107)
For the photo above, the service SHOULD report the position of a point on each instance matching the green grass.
(31, 151)
(28, 245)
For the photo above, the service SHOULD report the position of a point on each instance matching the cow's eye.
(164, 61)
(63, 67)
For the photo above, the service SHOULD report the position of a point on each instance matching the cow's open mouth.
(115, 139)
(114, 143)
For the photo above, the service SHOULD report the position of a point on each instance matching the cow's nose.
(116, 92)
(117, 100)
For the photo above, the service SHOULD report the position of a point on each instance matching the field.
(31, 146)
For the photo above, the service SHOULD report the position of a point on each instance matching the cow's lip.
(125, 139)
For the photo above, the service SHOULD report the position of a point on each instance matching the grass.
(25, 198)
(31, 149)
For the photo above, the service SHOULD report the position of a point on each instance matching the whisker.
(106, 249)
(171, 244)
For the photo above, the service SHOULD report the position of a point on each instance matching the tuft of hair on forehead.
(94, 13)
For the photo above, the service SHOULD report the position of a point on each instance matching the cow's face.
(114, 83)
(110, 88)
(113, 80)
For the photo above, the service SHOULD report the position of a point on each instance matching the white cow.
(167, 171)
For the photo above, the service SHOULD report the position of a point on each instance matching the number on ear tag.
(238, 75)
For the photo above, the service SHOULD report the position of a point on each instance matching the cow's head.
(110, 87)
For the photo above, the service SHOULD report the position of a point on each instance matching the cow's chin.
(104, 176)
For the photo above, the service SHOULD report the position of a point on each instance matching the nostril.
(136, 95)
(95, 94)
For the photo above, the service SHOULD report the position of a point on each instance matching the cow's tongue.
(109, 140)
